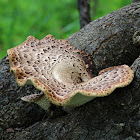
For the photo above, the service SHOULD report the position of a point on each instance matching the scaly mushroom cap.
(62, 72)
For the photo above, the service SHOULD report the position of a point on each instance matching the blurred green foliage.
(21, 18)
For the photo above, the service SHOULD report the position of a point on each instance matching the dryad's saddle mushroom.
(62, 73)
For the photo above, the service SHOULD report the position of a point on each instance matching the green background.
(21, 18)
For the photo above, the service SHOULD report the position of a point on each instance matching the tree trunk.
(109, 41)
(135, 1)
(84, 12)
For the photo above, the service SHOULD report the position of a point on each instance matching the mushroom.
(62, 73)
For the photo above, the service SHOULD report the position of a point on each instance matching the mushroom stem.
(39, 99)
(44, 103)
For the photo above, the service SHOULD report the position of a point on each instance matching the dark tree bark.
(109, 41)
(84, 12)
(135, 1)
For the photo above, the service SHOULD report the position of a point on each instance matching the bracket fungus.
(62, 73)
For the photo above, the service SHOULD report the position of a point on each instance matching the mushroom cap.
(62, 72)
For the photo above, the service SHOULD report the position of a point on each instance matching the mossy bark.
(109, 41)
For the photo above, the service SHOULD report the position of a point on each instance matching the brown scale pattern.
(60, 70)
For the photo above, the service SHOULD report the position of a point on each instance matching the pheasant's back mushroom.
(62, 72)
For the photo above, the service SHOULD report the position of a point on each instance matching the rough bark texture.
(109, 39)
(84, 12)
(116, 117)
